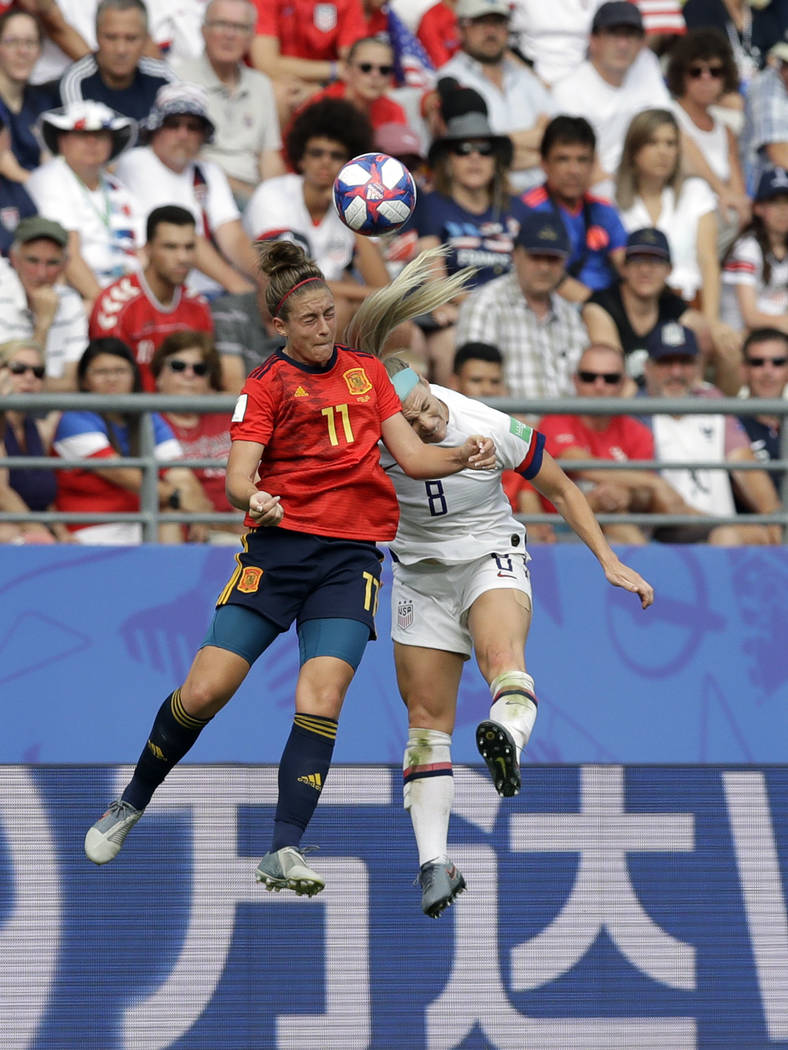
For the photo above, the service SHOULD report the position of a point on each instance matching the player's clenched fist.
(265, 509)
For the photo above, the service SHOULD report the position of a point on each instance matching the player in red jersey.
(305, 465)
(142, 309)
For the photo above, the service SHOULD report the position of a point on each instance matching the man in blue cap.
(672, 372)
(539, 334)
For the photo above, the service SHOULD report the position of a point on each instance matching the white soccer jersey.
(678, 438)
(466, 515)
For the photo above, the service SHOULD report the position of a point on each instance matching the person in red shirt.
(600, 373)
(187, 364)
(305, 466)
(367, 79)
(141, 309)
(438, 32)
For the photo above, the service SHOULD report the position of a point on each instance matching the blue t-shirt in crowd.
(36, 99)
(485, 240)
(15, 204)
(595, 230)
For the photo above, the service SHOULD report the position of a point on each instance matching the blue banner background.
(92, 640)
(608, 908)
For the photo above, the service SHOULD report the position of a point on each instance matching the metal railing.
(150, 517)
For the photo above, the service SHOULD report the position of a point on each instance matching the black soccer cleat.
(498, 750)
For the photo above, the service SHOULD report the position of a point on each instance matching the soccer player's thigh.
(430, 645)
(498, 603)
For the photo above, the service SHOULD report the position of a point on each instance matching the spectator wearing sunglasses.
(701, 70)
(765, 369)
(366, 82)
(600, 373)
(186, 364)
(25, 434)
(143, 308)
(472, 212)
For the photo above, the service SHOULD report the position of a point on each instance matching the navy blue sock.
(173, 733)
(302, 773)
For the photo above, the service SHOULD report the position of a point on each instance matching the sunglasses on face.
(465, 149)
(176, 365)
(370, 67)
(190, 123)
(610, 378)
(18, 368)
(696, 72)
(759, 362)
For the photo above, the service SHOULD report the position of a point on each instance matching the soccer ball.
(374, 194)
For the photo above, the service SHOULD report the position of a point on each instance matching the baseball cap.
(543, 234)
(617, 13)
(179, 99)
(398, 140)
(480, 8)
(780, 49)
(671, 340)
(36, 227)
(773, 183)
(648, 241)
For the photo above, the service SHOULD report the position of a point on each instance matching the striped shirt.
(765, 122)
(539, 353)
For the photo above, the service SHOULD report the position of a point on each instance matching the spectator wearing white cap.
(518, 104)
(166, 171)
(619, 78)
(103, 217)
(247, 141)
(117, 73)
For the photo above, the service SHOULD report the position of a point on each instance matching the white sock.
(514, 705)
(428, 790)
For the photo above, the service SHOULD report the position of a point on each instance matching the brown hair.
(287, 266)
(639, 133)
(189, 339)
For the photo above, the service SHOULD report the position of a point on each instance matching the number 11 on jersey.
(330, 413)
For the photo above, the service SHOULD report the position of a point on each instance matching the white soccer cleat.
(104, 840)
(286, 869)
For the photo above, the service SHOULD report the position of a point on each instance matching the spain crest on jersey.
(357, 382)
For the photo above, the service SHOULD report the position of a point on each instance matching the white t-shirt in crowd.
(553, 36)
(744, 266)
(109, 220)
(68, 334)
(277, 207)
(609, 109)
(713, 144)
(678, 220)
(202, 188)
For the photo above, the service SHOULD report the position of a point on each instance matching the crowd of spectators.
(615, 173)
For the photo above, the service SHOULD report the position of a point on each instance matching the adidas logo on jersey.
(314, 780)
(300, 392)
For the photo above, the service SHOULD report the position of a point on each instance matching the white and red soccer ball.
(374, 194)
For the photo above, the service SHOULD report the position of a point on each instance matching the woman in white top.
(651, 191)
(700, 72)
(103, 218)
(461, 583)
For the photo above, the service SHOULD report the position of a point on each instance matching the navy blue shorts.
(287, 576)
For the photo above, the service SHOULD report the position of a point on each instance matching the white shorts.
(430, 600)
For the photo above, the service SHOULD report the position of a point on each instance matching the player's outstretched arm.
(573, 507)
(240, 486)
(423, 461)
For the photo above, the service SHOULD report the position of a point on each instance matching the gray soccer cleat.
(104, 840)
(286, 869)
(497, 748)
(440, 883)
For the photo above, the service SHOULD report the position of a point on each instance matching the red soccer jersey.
(383, 110)
(128, 310)
(624, 438)
(321, 431)
(311, 29)
(439, 34)
(210, 439)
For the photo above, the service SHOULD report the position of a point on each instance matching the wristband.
(332, 71)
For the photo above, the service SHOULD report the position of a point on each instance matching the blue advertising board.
(93, 639)
(608, 908)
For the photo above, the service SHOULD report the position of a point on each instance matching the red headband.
(306, 280)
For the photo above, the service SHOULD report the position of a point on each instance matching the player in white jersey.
(461, 582)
